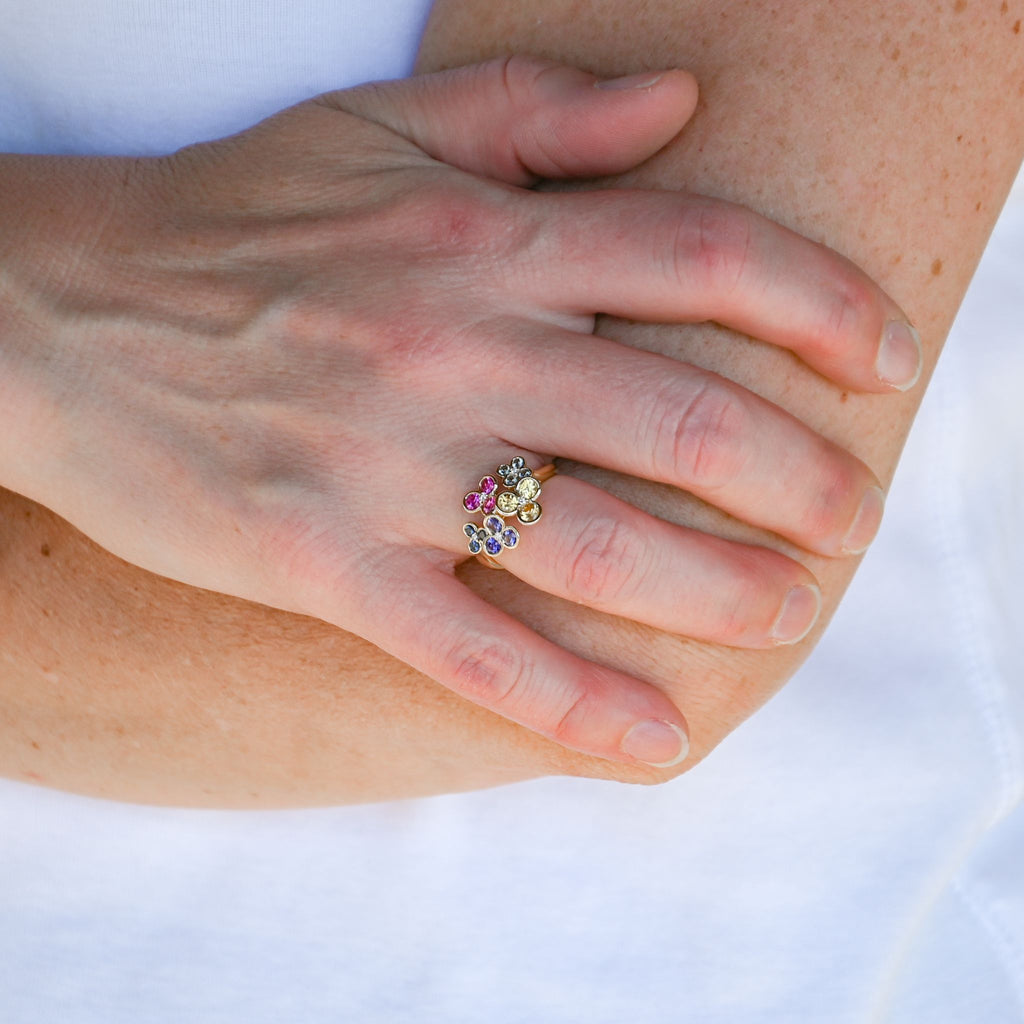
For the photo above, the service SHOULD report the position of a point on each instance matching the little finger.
(421, 614)
(592, 548)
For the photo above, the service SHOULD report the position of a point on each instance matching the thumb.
(517, 119)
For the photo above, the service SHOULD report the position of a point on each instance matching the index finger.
(673, 257)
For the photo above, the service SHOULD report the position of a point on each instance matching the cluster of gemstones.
(519, 501)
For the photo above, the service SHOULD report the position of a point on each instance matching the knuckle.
(703, 444)
(486, 671)
(452, 220)
(713, 241)
(519, 72)
(301, 558)
(748, 603)
(607, 563)
(572, 724)
(828, 509)
(845, 309)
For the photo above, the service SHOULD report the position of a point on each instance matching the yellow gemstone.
(529, 513)
(528, 487)
(507, 502)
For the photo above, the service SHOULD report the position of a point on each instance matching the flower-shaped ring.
(495, 535)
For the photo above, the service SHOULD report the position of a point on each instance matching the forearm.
(118, 683)
(122, 684)
(891, 134)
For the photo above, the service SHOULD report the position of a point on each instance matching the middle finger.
(597, 401)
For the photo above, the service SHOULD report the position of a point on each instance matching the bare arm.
(890, 132)
(179, 695)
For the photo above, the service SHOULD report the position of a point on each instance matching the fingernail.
(899, 355)
(799, 613)
(646, 80)
(657, 743)
(865, 523)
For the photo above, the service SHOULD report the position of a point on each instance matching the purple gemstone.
(471, 502)
(488, 504)
(494, 524)
(493, 545)
(510, 538)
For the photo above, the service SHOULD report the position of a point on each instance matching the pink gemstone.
(471, 502)
(488, 484)
(488, 504)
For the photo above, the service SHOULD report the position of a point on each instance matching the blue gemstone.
(493, 545)
(469, 529)
(494, 524)
(474, 546)
(510, 538)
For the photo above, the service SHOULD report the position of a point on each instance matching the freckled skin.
(231, 704)
(937, 267)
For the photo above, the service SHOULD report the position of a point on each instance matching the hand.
(271, 365)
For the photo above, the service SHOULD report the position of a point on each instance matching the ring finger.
(594, 549)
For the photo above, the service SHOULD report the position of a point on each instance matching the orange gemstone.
(529, 513)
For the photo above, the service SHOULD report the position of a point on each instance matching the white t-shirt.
(854, 853)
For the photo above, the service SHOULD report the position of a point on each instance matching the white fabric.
(138, 77)
(853, 854)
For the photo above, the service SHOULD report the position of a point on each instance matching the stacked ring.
(518, 500)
